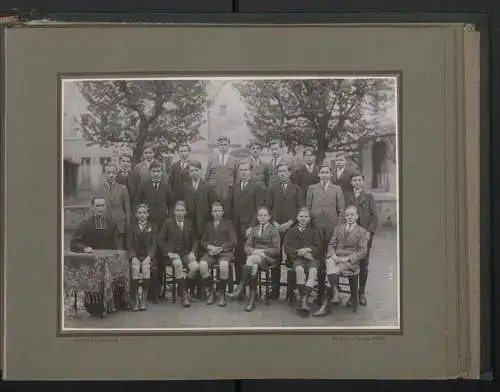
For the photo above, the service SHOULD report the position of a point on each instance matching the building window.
(85, 174)
(380, 176)
(104, 161)
(223, 110)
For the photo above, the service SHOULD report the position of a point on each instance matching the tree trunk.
(322, 146)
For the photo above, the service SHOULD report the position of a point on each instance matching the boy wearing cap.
(221, 171)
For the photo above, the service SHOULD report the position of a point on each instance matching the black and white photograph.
(230, 203)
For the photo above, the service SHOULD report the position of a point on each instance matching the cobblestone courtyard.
(381, 291)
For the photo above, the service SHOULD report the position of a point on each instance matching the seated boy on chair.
(179, 245)
(347, 246)
(303, 247)
(218, 241)
(262, 248)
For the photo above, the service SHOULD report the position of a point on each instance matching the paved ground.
(382, 309)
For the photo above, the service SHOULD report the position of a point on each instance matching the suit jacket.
(351, 244)
(244, 204)
(284, 206)
(327, 208)
(295, 240)
(367, 209)
(304, 178)
(270, 241)
(118, 204)
(141, 174)
(178, 177)
(150, 234)
(223, 236)
(198, 203)
(172, 240)
(260, 171)
(221, 176)
(344, 181)
(158, 201)
(88, 235)
(130, 181)
(273, 170)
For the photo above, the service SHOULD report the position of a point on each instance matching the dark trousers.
(239, 254)
(363, 268)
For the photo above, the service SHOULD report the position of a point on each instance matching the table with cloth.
(104, 277)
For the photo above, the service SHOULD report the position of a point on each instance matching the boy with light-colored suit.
(117, 201)
(326, 203)
(345, 250)
(260, 169)
(221, 171)
(367, 219)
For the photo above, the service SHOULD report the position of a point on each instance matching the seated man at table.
(346, 248)
(218, 241)
(179, 245)
(96, 232)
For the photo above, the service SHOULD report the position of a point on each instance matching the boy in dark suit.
(277, 159)
(179, 173)
(283, 201)
(218, 242)
(341, 175)
(142, 246)
(198, 197)
(367, 219)
(308, 173)
(247, 197)
(126, 176)
(156, 194)
(179, 245)
(303, 248)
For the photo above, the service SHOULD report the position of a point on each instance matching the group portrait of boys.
(242, 215)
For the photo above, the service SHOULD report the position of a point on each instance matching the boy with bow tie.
(179, 245)
(142, 248)
(346, 248)
(367, 219)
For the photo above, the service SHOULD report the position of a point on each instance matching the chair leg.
(268, 286)
(354, 287)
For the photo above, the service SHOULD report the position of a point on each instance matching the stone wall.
(387, 208)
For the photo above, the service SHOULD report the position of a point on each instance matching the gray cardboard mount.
(430, 178)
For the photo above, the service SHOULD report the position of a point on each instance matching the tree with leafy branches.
(136, 113)
(329, 114)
